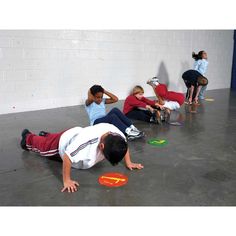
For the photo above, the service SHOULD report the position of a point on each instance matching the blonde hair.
(137, 89)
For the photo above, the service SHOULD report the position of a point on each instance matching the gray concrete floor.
(196, 168)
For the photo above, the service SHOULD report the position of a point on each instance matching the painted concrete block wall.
(41, 69)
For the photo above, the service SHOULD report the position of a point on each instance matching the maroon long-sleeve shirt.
(131, 102)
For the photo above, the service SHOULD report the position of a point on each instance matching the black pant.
(117, 118)
(137, 114)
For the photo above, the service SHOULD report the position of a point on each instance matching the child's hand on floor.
(132, 166)
(71, 186)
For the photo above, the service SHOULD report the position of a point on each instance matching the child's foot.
(162, 115)
(153, 81)
(23, 140)
(134, 135)
(134, 128)
(43, 133)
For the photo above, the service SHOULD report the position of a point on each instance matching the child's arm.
(90, 98)
(112, 98)
(130, 165)
(69, 184)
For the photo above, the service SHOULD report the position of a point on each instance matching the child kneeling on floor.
(167, 100)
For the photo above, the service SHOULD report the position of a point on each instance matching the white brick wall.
(42, 69)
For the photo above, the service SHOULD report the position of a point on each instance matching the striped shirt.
(81, 144)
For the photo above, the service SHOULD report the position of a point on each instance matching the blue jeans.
(116, 118)
(202, 91)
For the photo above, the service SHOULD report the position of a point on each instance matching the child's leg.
(202, 91)
(114, 120)
(44, 145)
(121, 116)
(139, 115)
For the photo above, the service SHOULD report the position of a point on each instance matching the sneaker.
(135, 135)
(153, 120)
(43, 133)
(134, 128)
(162, 115)
(153, 81)
(23, 140)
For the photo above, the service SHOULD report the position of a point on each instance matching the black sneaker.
(43, 133)
(23, 140)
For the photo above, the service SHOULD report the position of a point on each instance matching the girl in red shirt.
(137, 107)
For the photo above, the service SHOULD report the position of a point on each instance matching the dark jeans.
(116, 118)
(137, 114)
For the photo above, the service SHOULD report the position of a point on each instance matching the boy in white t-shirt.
(81, 148)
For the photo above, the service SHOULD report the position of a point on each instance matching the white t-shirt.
(81, 144)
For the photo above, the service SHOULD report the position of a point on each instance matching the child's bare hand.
(132, 166)
(71, 186)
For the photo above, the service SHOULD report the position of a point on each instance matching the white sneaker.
(153, 81)
(131, 134)
(134, 128)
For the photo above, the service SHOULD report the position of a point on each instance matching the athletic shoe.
(43, 133)
(153, 81)
(23, 140)
(162, 115)
(153, 120)
(134, 128)
(135, 135)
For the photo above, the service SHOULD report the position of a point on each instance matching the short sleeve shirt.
(201, 66)
(96, 111)
(81, 144)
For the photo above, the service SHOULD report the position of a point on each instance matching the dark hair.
(115, 148)
(202, 80)
(198, 56)
(96, 89)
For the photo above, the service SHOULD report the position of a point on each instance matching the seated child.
(137, 107)
(80, 148)
(167, 100)
(95, 107)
